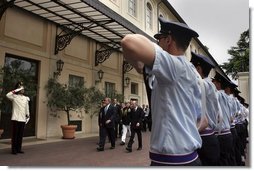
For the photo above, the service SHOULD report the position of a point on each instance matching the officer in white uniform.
(176, 93)
(20, 116)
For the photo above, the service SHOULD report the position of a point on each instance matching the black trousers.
(149, 123)
(209, 153)
(246, 133)
(241, 135)
(17, 136)
(240, 143)
(144, 124)
(139, 134)
(103, 134)
(238, 147)
(232, 158)
(118, 129)
(226, 144)
(196, 162)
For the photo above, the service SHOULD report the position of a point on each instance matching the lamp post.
(59, 68)
(100, 76)
(127, 81)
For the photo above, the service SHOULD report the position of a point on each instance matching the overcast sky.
(219, 23)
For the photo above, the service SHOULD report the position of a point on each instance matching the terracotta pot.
(1, 132)
(69, 131)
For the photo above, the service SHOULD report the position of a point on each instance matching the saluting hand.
(108, 121)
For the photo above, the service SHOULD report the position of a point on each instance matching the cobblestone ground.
(81, 152)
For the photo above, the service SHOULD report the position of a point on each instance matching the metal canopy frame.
(89, 18)
(4, 5)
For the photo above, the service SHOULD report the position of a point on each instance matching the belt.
(206, 132)
(239, 123)
(224, 132)
(173, 159)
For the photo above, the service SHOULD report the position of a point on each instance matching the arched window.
(159, 25)
(132, 7)
(149, 16)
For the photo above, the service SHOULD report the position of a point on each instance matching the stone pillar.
(244, 86)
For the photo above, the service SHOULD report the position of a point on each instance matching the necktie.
(105, 109)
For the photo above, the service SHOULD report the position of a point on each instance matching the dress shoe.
(22, 152)
(140, 148)
(100, 149)
(14, 152)
(112, 147)
(128, 149)
(122, 143)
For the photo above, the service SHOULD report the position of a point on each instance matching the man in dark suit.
(136, 117)
(106, 120)
(118, 124)
(149, 93)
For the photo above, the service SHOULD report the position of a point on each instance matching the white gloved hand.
(18, 89)
(27, 119)
(108, 121)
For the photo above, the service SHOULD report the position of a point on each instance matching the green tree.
(65, 98)
(13, 73)
(93, 98)
(239, 61)
(70, 98)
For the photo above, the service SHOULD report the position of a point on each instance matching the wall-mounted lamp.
(127, 82)
(100, 76)
(59, 67)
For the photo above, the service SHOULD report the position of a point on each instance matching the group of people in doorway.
(197, 119)
(117, 120)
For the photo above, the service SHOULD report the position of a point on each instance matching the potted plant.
(65, 98)
(1, 132)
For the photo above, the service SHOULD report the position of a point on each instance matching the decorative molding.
(62, 40)
(102, 54)
(127, 67)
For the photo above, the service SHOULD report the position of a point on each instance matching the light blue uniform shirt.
(234, 104)
(233, 108)
(238, 105)
(225, 109)
(176, 105)
(231, 104)
(212, 103)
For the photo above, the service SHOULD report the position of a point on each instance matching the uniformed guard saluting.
(176, 94)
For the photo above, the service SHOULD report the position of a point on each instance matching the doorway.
(19, 69)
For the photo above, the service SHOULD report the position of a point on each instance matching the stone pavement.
(79, 152)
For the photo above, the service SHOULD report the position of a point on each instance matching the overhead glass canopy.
(90, 18)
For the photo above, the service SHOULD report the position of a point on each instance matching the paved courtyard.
(80, 152)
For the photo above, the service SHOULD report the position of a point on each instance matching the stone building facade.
(86, 36)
